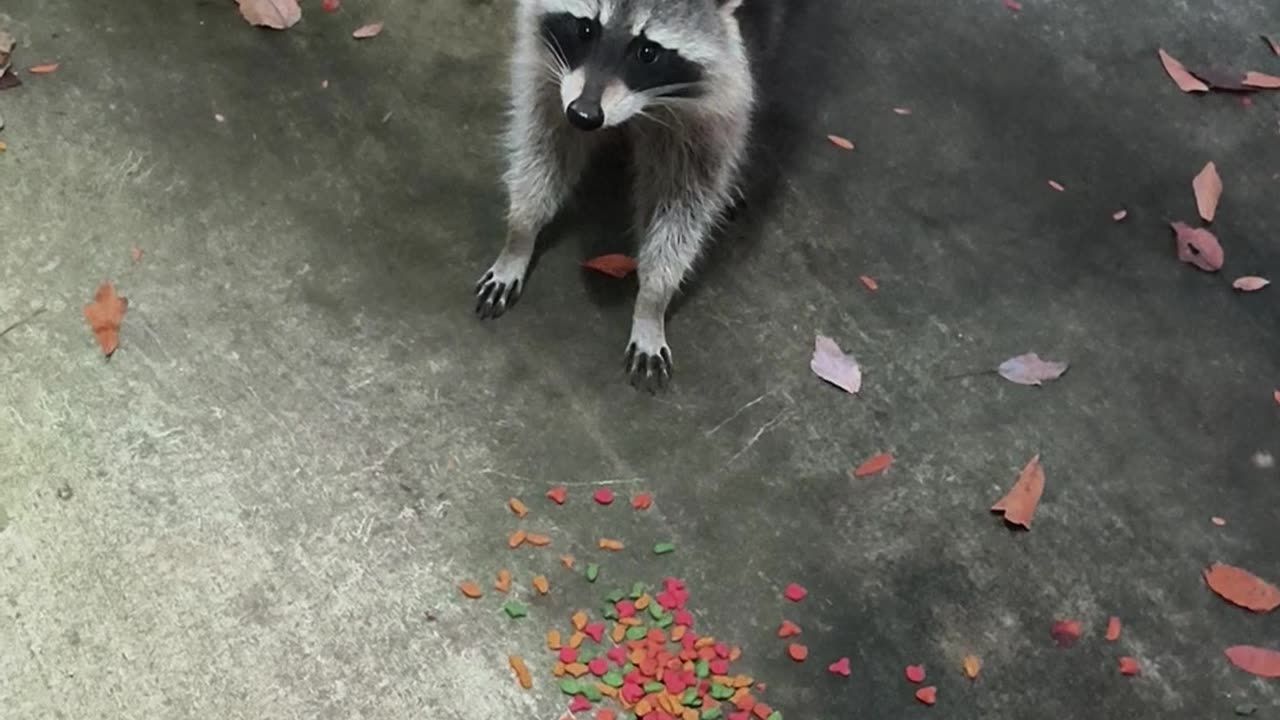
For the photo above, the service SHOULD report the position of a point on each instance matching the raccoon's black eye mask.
(638, 62)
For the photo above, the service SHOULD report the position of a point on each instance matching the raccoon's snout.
(585, 114)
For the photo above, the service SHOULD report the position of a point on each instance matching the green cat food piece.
(663, 548)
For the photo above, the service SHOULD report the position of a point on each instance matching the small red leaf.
(1113, 629)
(1020, 504)
(841, 142)
(1258, 661)
(1242, 587)
(615, 265)
(603, 496)
(1207, 186)
(1198, 247)
(876, 464)
(915, 673)
(104, 315)
(927, 695)
(1129, 666)
(1185, 80)
(795, 593)
(1065, 632)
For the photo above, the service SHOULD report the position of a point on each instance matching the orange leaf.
(1257, 80)
(874, 465)
(1113, 629)
(869, 282)
(615, 265)
(43, 69)
(1185, 80)
(1020, 504)
(972, 666)
(1242, 587)
(1258, 661)
(104, 315)
(843, 143)
(1207, 186)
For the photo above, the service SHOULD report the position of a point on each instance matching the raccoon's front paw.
(501, 286)
(648, 360)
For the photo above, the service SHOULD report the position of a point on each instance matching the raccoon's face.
(615, 59)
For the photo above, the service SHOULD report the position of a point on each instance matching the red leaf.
(1258, 661)
(1197, 246)
(927, 695)
(1250, 283)
(367, 31)
(1020, 504)
(1185, 80)
(1129, 666)
(915, 673)
(788, 629)
(1242, 587)
(1207, 186)
(1065, 632)
(1113, 629)
(841, 142)
(1257, 80)
(874, 465)
(616, 265)
(105, 314)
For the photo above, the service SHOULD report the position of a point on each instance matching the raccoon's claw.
(494, 297)
(649, 371)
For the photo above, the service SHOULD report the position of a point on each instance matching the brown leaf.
(367, 31)
(104, 315)
(1207, 186)
(1185, 80)
(1258, 661)
(1197, 246)
(615, 265)
(44, 69)
(878, 463)
(1113, 629)
(274, 14)
(1020, 504)
(1242, 587)
(972, 666)
(1261, 80)
(843, 143)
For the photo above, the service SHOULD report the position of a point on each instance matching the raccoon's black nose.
(585, 115)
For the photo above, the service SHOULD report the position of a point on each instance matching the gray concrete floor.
(306, 439)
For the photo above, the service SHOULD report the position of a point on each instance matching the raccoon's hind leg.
(545, 159)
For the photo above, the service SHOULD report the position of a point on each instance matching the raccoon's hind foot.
(501, 285)
(648, 360)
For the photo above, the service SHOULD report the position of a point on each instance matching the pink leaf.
(1197, 246)
(1185, 80)
(832, 365)
(1258, 661)
(367, 31)
(1250, 283)
(1029, 369)
(1261, 80)
(1207, 186)
(274, 14)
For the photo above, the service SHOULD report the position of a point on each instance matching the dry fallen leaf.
(274, 14)
(832, 365)
(1261, 80)
(1029, 369)
(615, 265)
(841, 142)
(1242, 587)
(878, 463)
(1197, 246)
(367, 31)
(1207, 186)
(972, 666)
(1185, 80)
(104, 315)
(1255, 660)
(44, 69)
(1250, 283)
(1020, 504)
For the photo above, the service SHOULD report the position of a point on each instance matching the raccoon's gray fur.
(675, 77)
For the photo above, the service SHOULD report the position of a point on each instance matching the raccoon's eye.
(586, 29)
(649, 52)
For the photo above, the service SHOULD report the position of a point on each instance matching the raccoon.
(675, 78)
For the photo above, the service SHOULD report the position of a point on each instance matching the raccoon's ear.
(727, 7)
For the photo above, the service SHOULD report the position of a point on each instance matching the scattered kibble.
(470, 590)
(927, 695)
(593, 572)
(541, 585)
(521, 671)
(915, 673)
(567, 561)
(1129, 666)
(603, 496)
(972, 666)
(795, 593)
(610, 544)
(558, 495)
(516, 539)
(788, 629)
(797, 652)
(642, 502)
(515, 609)
(504, 581)
(664, 548)
(537, 540)
(517, 507)
(553, 640)
(840, 667)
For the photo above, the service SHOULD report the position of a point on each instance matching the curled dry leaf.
(105, 314)
(832, 365)
(1186, 82)
(1250, 283)
(615, 265)
(1021, 502)
(841, 142)
(1261, 80)
(1029, 369)
(1255, 660)
(1242, 587)
(274, 14)
(878, 463)
(1198, 247)
(1207, 186)
(367, 31)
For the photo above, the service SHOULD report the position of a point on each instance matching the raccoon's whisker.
(670, 91)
